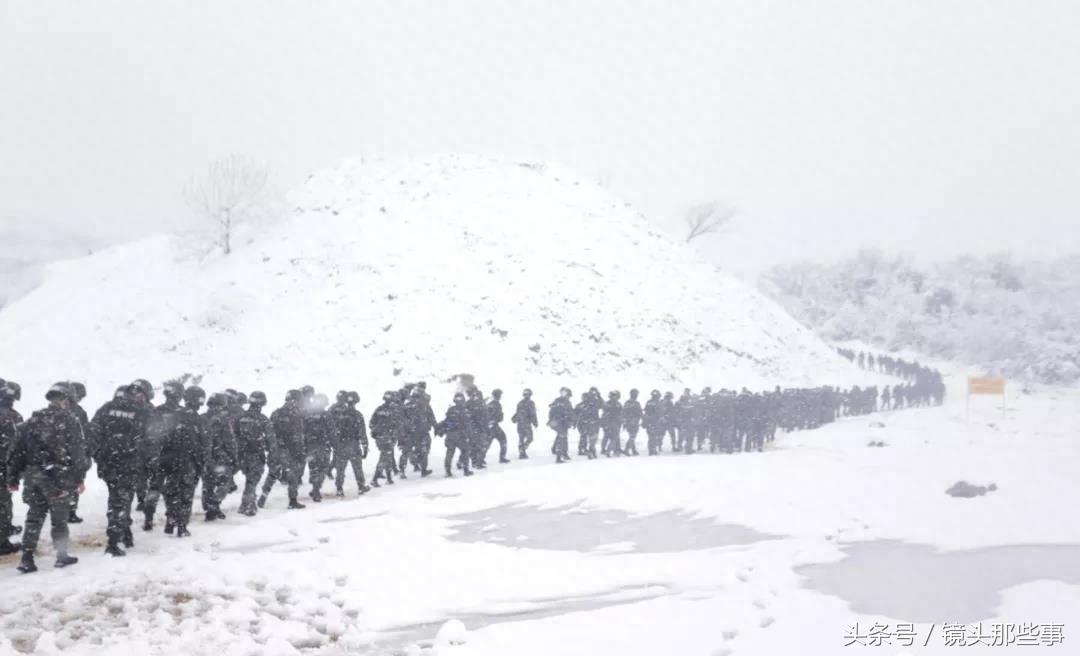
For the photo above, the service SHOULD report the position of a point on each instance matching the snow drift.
(520, 273)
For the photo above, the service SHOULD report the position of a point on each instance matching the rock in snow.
(967, 490)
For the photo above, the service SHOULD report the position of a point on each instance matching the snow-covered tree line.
(1016, 318)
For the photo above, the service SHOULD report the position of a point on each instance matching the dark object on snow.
(878, 443)
(967, 490)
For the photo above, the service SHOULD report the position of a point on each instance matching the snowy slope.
(519, 273)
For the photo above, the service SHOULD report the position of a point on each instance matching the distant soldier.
(319, 438)
(84, 421)
(525, 420)
(255, 435)
(116, 432)
(147, 450)
(352, 441)
(667, 422)
(478, 427)
(163, 421)
(455, 428)
(561, 420)
(611, 422)
(48, 456)
(683, 420)
(385, 424)
(631, 422)
(494, 419)
(653, 422)
(10, 420)
(223, 458)
(886, 398)
(419, 420)
(183, 458)
(587, 419)
(288, 454)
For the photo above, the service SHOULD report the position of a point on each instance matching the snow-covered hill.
(520, 273)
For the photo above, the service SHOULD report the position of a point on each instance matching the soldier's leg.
(500, 436)
(59, 510)
(403, 461)
(185, 499)
(253, 471)
(6, 513)
(341, 463)
(150, 501)
(37, 508)
(425, 452)
(448, 461)
(294, 474)
(114, 513)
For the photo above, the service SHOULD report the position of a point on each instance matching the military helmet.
(80, 391)
(217, 400)
(342, 396)
(195, 395)
(388, 396)
(459, 398)
(566, 392)
(613, 395)
(59, 391)
(172, 388)
(7, 391)
(668, 395)
(353, 399)
(241, 398)
(293, 395)
(307, 391)
(496, 393)
(655, 394)
(527, 393)
(633, 393)
(16, 387)
(121, 392)
(145, 388)
(257, 398)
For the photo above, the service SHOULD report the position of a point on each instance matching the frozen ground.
(773, 553)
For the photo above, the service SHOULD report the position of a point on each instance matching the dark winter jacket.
(9, 430)
(50, 446)
(184, 448)
(612, 417)
(631, 414)
(117, 432)
(350, 430)
(222, 453)
(288, 427)
(561, 415)
(525, 414)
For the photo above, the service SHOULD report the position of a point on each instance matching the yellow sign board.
(986, 385)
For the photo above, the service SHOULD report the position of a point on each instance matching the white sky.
(936, 127)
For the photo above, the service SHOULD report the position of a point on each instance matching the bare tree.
(230, 192)
(705, 218)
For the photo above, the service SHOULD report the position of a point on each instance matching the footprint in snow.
(766, 622)
(729, 634)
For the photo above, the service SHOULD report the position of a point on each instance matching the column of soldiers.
(146, 454)
(922, 385)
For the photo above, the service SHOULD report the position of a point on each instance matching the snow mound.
(520, 273)
(452, 632)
